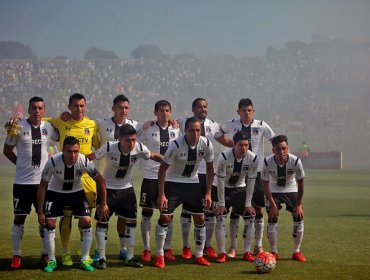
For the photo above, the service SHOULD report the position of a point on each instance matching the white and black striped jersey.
(32, 150)
(257, 131)
(109, 130)
(118, 169)
(67, 179)
(184, 160)
(157, 139)
(233, 171)
(283, 178)
(209, 129)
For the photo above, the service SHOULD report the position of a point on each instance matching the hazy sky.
(241, 27)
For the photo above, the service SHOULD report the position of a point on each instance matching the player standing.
(85, 130)
(235, 166)
(120, 158)
(32, 144)
(257, 131)
(283, 182)
(178, 183)
(157, 136)
(61, 186)
(208, 129)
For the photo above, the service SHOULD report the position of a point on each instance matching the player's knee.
(19, 220)
(198, 219)
(165, 219)
(85, 222)
(147, 213)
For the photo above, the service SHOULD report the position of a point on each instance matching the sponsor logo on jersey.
(36, 141)
(191, 162)
(164, 144)
(68, 181)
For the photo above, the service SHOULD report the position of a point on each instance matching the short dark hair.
(70, 140)
(76, 96)
(161, 103)
(245, 102)
(240, 135)
(191, 120)
(34, 99)
(120, 98)
(279, 139)
(196, 101)
(127, 129)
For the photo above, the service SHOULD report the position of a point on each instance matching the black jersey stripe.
(124, 162)
(36, 145)
(164, 140)
(236, 173)
(223, 155)
(116, 131)
(248, 130)
(281, 175)
(69, 173)
(190, 163)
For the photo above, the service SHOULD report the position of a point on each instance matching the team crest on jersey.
(255, 131)
(182, 154)
(44, 131)
(133, 158)
(245, 167)
(154, 134)
(26, 133)
(201, 153)
(87, 131)
(208, 129)
(113, 158)
(109, 129)
(290, 171)
(58, 172)
(78, 172)
(172, 134)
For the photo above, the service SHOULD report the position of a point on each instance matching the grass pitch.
(336, 241)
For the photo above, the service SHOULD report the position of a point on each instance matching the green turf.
(336, 242)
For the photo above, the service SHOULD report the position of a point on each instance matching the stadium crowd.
(304, 90)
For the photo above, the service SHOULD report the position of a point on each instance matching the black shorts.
(23, 198)
(234, 197)
(121, 202)
(258, 199)
(188, 194)
(290, 200)
(56, 202)
(149, 193)
(203, 183)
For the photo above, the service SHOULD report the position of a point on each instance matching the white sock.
(17, 235)
(259, 226)
(145, 231)
(234, 228)
(298, 230)
(167, 241)
(200, 239)
(86, 234)
(272, 233)
(248, 234)
(101, 236)
(50, 243)
(185, 229)
(210, 222)
(221, 233)
(44, 251)
(160, 236)
(122, 242)
(130, 236)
